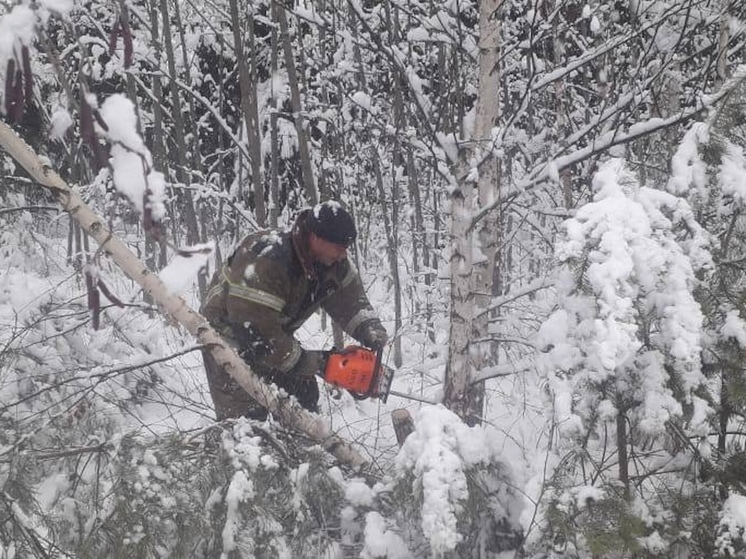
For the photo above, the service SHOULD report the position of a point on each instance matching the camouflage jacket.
(270, 286)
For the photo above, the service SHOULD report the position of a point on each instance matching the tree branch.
(29, 208)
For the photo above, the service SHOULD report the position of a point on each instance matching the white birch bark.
(288, 412)
(475, 244)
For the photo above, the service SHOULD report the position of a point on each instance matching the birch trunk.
(475, 244)
(288, 412)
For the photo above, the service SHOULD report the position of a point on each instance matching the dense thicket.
(610, 326)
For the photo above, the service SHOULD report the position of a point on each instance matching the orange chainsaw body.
(359, 370)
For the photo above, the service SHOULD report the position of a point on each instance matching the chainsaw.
(360, 371)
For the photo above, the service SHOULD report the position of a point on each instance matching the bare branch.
(29, 208)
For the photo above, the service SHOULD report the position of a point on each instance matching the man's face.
(326, 252)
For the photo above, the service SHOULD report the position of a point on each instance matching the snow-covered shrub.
(237, 491)
(709, 170)
(731, 540)
(626, 336)
(450, 496)
(622, 362)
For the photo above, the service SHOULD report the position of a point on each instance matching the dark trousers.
(231, 401)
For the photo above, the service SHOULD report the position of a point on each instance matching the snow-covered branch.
(548, 170)
(533, 287)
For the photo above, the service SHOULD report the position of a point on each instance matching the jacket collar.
(300, 235)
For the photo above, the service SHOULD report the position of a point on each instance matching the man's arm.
(350, 308)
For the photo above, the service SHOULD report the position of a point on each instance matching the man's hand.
(372, 334)
(300, 381)
(311, 363)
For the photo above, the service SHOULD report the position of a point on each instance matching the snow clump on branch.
(628, 325)
(131, 162)
(447, 458)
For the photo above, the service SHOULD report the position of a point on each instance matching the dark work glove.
(372, 334)
(304, 388)
(301, 380)
(310, 364)
(254, 347)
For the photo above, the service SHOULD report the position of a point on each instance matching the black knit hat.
(331, 222)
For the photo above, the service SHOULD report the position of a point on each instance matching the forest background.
(549, 196)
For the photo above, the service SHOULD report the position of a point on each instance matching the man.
(272, 283)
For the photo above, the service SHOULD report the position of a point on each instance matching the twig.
(29, 208)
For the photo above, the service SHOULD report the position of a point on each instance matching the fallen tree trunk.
(288, 412)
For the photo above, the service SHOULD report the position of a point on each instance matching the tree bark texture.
(185, 201)
(475, 243)
(250, 109)
(156, 252)
(274, 142)
(295, 102)
(391, 253)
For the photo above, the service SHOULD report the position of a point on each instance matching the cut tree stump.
(403, 424)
